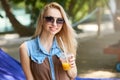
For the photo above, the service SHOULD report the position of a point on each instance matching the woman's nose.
(55, 23)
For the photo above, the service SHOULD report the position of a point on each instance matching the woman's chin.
(53, 32)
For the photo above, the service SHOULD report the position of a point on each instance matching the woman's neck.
(46, 41)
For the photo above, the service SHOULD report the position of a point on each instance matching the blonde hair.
(67, 33)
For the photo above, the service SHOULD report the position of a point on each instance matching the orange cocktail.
(66, 65)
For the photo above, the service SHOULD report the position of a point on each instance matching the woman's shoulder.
(22, 45)
(29, 41)
(27, 45)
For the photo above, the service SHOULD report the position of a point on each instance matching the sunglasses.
(51, 19)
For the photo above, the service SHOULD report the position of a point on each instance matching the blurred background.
(96, 23)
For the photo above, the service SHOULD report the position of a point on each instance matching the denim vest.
(37, 52)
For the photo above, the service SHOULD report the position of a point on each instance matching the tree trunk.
(18, 27)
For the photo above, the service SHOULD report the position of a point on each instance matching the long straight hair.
(67, 33)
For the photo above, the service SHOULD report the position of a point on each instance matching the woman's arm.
(25, 62)
(73, 71)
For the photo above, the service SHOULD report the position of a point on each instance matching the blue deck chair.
(10, 69)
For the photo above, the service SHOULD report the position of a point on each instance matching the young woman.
(40, 56)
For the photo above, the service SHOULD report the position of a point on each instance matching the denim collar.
(54, 45)
(38, 53)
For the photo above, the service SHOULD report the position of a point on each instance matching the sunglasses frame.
(51, 19)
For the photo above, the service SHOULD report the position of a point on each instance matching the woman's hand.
(71, 60)
(73, 71)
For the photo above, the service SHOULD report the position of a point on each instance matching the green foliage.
(16, 1)
(75, 9)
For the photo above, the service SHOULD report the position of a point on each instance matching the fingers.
(72, 61)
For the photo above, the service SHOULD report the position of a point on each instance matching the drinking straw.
(63, 48)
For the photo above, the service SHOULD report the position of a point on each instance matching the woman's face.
(53, 21)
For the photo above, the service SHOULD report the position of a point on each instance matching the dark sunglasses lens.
(49, 19)
(60, 21)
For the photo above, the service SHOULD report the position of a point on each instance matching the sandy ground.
(91, 61)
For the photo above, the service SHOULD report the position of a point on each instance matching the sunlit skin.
(53, 28)
(49, 30)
